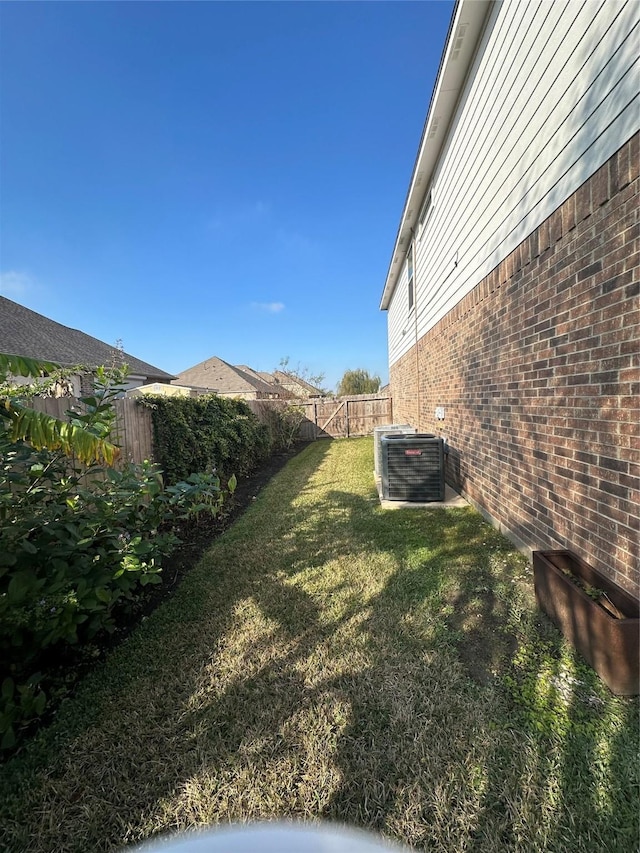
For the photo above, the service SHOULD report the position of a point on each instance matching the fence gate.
(342, 417)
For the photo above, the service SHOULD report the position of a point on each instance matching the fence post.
(347, 419)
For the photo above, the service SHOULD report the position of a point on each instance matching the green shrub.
(283, 424)
(19, 704)
(77, 542)
(70, 552)
(206, 434)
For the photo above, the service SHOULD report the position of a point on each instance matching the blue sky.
(201, 179)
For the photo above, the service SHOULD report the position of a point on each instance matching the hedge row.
(207, 434)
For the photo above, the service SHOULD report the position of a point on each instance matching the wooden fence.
(133, 431)
(338, 417)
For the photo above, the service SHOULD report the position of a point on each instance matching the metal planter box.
(609, 643)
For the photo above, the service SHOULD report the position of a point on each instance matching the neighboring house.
(287, 384)
(269, 378)
(27, 333)
(295, 385)
(512, 292)
(162, 389)
(216, 376)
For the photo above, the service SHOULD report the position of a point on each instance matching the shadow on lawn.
(421, 757)
(416, 751)
(540, 781)
(397, 699)
(89, 752)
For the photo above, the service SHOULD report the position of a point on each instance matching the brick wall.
(538, 371)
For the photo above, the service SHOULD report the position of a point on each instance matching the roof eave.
(465, 31)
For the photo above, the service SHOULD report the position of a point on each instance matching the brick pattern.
(538, 371)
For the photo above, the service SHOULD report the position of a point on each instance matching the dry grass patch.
(329, 659)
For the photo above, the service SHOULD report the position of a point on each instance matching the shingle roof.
(25, 332)
(292, 381)
(257, 374)
(217, 375)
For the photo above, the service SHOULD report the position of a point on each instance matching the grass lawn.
(330, 659)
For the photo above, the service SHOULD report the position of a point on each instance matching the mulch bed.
(196, 538)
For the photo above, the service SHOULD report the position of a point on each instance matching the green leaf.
(19, 365)
(43, 431)
(8, 688)
(233, 482)
(19, 586)
(8, 739)
(39, 703)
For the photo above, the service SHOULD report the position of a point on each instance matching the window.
(410, 285)
(425, 210)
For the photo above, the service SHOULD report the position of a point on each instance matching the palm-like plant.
(20, 422)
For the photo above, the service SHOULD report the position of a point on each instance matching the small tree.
(300, 372)
(80, 437)
(358, 382)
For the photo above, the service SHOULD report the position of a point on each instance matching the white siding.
(553, 93)
(402, 334)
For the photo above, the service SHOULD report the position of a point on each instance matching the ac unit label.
(413, 453)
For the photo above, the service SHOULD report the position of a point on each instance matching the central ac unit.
(412, 467)
(378, 433)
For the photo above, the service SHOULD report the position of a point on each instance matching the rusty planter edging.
(610, 645)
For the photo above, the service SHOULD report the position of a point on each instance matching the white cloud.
(268, 307)
(15, 283)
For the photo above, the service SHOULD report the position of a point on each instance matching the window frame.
(425, 211)
(411, 292)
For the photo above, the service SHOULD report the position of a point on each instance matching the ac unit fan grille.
(378, 433)
(413, 468)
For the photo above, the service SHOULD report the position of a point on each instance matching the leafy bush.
(19, 704)
(75, 542)
(283, 424)
(82, 436)
(206, 434)
(198, 496)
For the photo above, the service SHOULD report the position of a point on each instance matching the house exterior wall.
(537, 369)
(551, 95)
(245, 395)
(84, 385)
